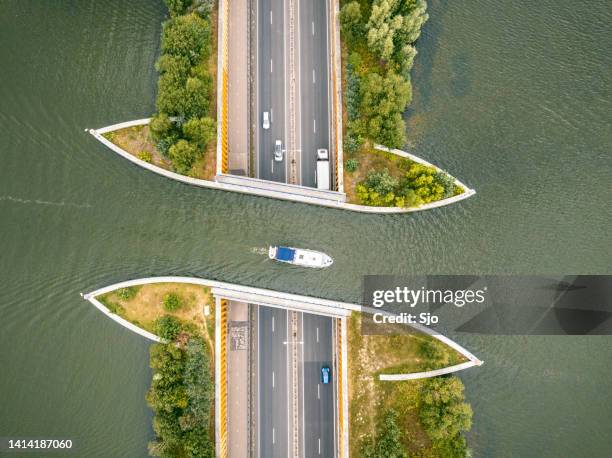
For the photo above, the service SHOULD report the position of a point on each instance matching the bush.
(183, 154)
(172, 302)
(443, 413)
(187, 36)
(128, 293)
(203, 8)
(351, 165)
(381, 182)
(145, 156)
(177, 7)
(168, 327)
(200, 130)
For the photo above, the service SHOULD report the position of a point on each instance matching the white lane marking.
(272, 161)
(270, 16)
(273, 436)
(314, 125)
(319, 445)
(273, 379)
(318, 391)
(273, 323)
(313, 27)
(271, 70)
(313, 77)
(317, 334)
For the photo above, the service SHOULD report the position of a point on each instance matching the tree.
(443, 412)
(183, 154)
(160, 126)
(382, 26)
(167, 327)
(381, 182)
(388, 440)
(187, 36)
(424, 181)
(383, 100)
(197, 97)
(200, 130)
(350, 21)
(204, 8)
(177, 7)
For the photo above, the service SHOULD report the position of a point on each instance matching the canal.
(513, 98)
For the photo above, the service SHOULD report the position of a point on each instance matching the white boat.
(299, 257)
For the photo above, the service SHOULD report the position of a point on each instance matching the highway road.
(316, 404)
(314, 88)
(319, 399)
(273, 405)
(312, 72)
(271, 87)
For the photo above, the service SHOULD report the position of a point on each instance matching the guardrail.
(223, 88)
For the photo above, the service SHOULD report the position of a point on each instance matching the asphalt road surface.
(271, 87)
(273, 390)
(319, 405)
(316, 406)
(314, 78)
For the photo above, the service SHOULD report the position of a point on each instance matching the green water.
(514, 98)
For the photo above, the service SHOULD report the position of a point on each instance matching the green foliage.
(422, 180)
(172, 302)
(353, 97)
(168, 327)
(381, 182)
(352, 142)
(112, 307)
(203, 8)
(443, 412)
(181, 398)
(187, 36)
(183, 154)
(351, 165)
(383, 100)
(419, 184)
(145, 156)
(388, 439)
(177, 7)
(200, 130)
(160, 126)
(128, 293)
(351, 21)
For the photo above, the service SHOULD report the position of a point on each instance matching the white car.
(266, 120)
(278, 151)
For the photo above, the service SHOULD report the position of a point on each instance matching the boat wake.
(260, 250)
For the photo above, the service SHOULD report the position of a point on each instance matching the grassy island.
(182, 388)
(423, 418)
(378, 52)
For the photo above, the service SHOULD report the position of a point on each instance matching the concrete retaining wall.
(120, 320)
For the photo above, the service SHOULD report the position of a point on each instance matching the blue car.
(325, 374)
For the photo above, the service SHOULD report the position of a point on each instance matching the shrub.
(167, 327)
(177, 7)
(187, 36)
(128, 293)
(172, 302)
(200, 130)
(183, 154)
(352, 142)
(353, 98)
(203, 8)
(145, 156)
(381, 182)
(351, 165)
(160, 126)
(443, 413)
